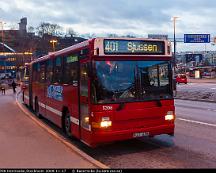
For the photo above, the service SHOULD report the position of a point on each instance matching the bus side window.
(57, 76)
(84, 80)
(70, 72)
(36, 72)
(49, 71)
(42, 72)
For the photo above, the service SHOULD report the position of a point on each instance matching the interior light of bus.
(169, 116)
(84, 73)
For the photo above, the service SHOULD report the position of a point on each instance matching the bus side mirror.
(174, 84)
(89, 70)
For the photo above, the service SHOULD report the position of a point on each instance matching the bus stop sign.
(196, 38)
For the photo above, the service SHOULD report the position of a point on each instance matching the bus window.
(36, 71)
(57, 70)
(70, 72)
(49, 70)
(42, 72)
(84, 80)
(26, 73)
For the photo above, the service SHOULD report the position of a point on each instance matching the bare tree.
(71, 32)
(31, 29)
(50, 29)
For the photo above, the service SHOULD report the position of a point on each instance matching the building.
(18, 47)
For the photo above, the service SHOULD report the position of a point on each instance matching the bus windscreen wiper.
(120, 107)
(159, 104)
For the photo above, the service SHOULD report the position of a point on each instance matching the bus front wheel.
(37, 113)
(67, 124)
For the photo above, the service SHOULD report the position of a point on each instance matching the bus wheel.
(37, 108)
(23, 98)
(67, 124)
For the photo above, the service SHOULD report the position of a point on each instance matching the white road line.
(197, 122)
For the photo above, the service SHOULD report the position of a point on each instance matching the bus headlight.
(169, 116)
(106, 124)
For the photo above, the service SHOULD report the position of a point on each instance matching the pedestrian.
(3, 88)
(14, 86)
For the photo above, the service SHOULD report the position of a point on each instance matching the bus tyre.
(67, 124)
(37, 113)
(23, 98)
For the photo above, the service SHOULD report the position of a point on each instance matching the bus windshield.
(129, 81)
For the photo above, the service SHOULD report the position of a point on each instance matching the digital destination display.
(112, 46)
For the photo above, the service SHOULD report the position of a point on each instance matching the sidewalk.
(196, 96)
(203, 80)
(24, 144)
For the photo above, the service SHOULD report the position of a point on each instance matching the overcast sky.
(137, 17)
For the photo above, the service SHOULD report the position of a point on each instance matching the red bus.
(105, 89)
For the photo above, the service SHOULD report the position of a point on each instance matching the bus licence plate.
(140, 134)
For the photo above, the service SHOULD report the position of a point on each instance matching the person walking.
(14, 86)
(3, 88)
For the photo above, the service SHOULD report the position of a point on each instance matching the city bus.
(105, 89)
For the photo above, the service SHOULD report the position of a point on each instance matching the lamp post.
(174, 41)
(53, 44)
(2, 35)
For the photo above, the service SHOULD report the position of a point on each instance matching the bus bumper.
(110, 136)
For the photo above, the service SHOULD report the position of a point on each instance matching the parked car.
(181, 78)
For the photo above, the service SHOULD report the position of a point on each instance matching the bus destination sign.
(112, 46)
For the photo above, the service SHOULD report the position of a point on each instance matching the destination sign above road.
(196, 38)
(112, 46)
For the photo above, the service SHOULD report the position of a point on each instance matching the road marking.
(194, 107)
(197, 122)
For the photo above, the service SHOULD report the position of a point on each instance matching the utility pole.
(174, 35)
(2, 36)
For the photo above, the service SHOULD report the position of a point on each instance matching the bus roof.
(98, 44)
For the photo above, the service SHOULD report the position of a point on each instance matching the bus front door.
(84, 102)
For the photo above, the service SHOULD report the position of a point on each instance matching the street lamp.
(53, 42)
(174, 41)
(2, 35)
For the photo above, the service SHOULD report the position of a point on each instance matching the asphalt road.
(193, 145)
(193, 87)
